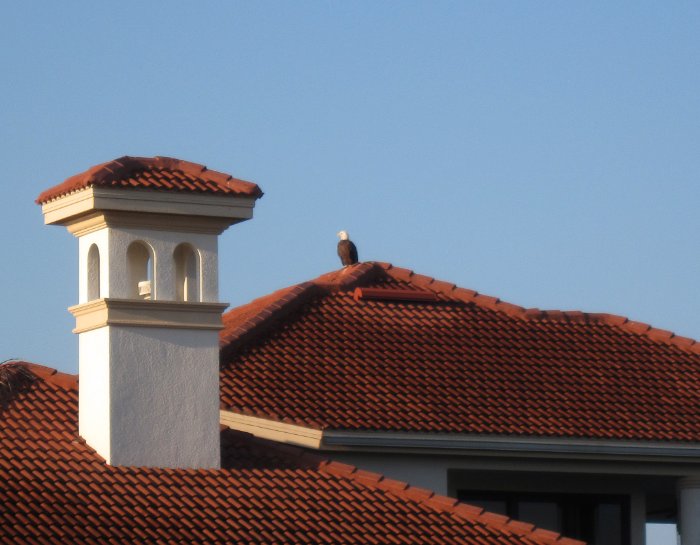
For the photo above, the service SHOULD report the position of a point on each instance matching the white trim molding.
(70, 208)
(275, 431)
(137, 312)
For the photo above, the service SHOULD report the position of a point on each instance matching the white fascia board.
(270, 429)
(189, 204)
(79, 203)
(139, 313)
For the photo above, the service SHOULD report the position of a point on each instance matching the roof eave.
(76, 206)
(458, 444)
(468, 443)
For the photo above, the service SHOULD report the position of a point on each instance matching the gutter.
(455, 444)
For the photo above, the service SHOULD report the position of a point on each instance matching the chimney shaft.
(148, 317)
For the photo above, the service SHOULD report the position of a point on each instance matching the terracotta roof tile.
(318, 355)
(155, 173)
(56, 489)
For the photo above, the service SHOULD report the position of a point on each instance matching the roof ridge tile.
(289, 299)
(520, 528)
(465, 294)
(496, 519)
(451, 290)
(39, 371)
(610, 319)
(347, 277)
(368, 476)
(615, 320)
(568, 541)
(467, 511)
(442, 502)
(494, 303)
(65, 381)
(375, 340)
(637, 327)
(216, 176)
(546, 535)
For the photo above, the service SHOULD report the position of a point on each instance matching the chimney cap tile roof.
(154, 173)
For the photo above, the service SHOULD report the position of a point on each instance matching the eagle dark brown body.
(347, 251)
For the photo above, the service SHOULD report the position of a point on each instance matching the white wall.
(421, 471)
(164, 397)
(94, 400)
(150, 396)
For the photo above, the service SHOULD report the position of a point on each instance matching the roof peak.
(571, 316)
(349, 278)
(154, 173)
(458, 362)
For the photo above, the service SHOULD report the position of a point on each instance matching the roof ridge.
(190, 167)
(449, 289)
(570, 316)
(351, 277)
(347, 277)
(285, 300)
(17, 376)
(615, 320)
(445, 504)
(289, 299)
(51, 375)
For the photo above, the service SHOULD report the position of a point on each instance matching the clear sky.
(543, 152)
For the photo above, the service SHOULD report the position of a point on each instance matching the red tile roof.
(55, 489)
(327, 355)
(159, 173)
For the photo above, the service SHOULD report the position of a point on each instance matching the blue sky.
(545, 153)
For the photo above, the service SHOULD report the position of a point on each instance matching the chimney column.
(148, 315)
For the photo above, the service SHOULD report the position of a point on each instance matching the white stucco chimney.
(148, 314)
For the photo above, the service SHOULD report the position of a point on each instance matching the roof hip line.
(515, 311)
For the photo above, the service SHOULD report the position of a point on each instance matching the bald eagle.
(346, 249)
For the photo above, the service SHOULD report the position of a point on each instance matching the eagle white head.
(347, 251)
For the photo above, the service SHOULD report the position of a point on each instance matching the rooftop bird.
(346, 249)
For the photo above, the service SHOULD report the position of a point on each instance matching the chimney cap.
(156, 173)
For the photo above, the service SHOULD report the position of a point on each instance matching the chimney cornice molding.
(140, 313)
(72, 208)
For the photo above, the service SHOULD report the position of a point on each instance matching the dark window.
(596, 519)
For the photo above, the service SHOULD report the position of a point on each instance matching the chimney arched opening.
(187, 279)
(93, 273)
(140, 264)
